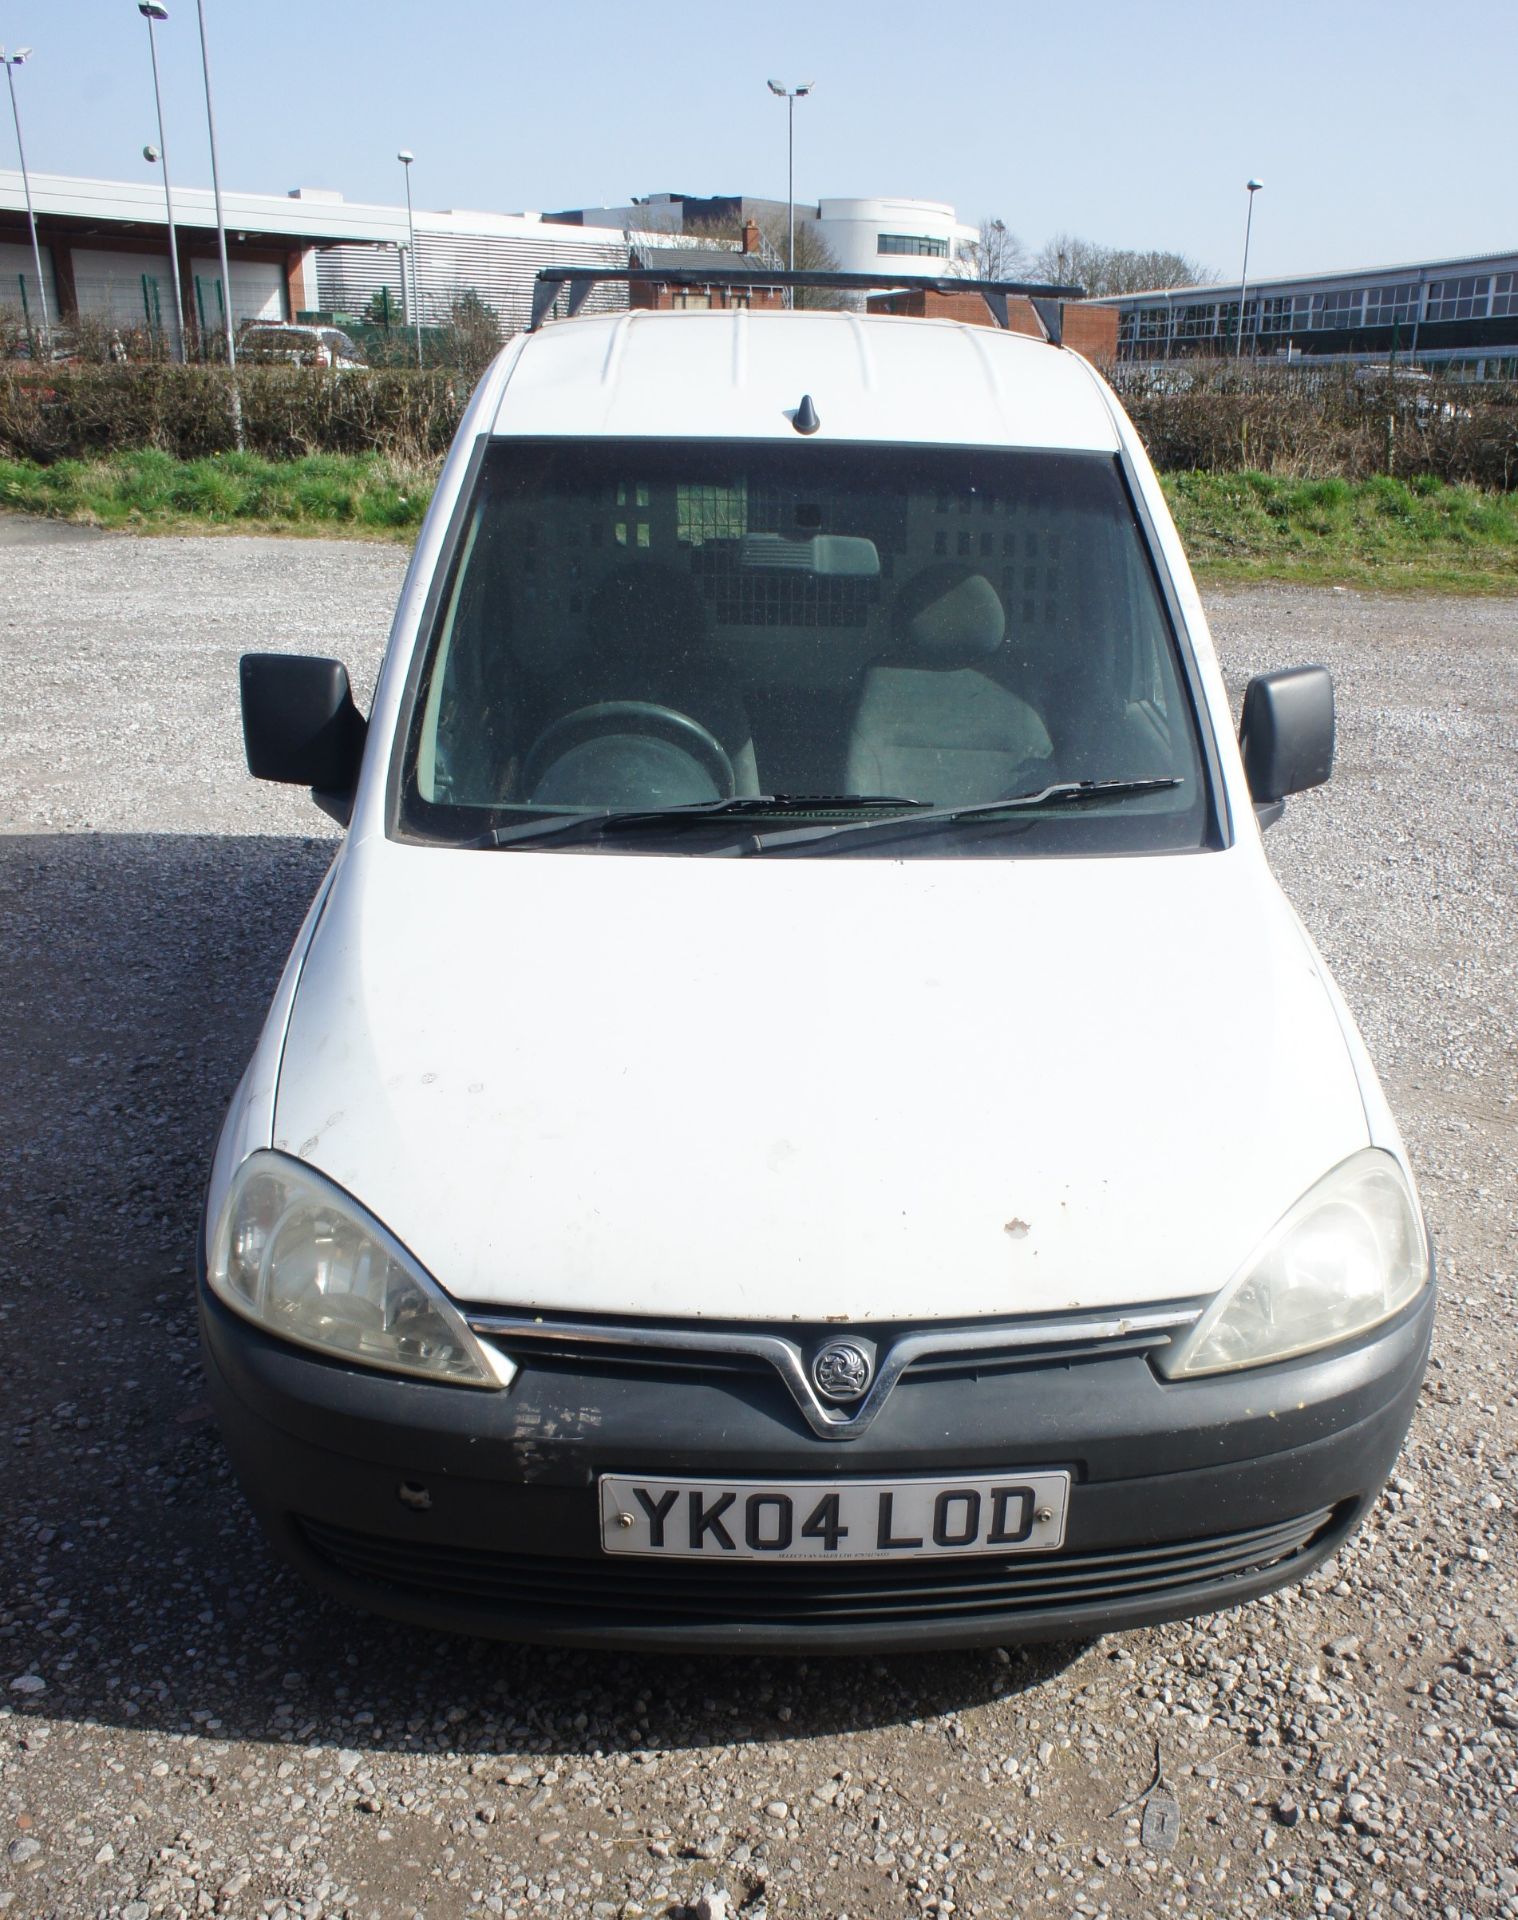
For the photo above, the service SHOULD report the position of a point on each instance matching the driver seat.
(933, 721)
(648, 641)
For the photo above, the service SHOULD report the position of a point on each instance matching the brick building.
(722, 263)
(1089, 330)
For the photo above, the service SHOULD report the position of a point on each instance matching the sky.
(1383, 130)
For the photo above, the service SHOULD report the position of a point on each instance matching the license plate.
(833, 1520)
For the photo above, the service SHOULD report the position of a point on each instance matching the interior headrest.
(948, 616)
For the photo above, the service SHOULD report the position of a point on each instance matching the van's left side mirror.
(300, 726)
(1287, 736)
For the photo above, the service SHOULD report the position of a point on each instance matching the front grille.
(651, 1361)
(1015, 1357)
(920, 1351)
(612, 1591)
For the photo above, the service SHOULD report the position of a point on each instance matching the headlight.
(296, 1255)
(1350, 1253)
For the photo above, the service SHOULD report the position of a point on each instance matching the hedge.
(1323, 423)
(1213, 417)
(49, 414)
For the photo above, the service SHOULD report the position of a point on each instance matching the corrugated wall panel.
(124, 289)
(498, 268)
(18, 282)
(258, 292)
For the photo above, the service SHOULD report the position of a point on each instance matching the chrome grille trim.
(1149, 1326)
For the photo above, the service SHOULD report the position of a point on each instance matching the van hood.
(812, 1090)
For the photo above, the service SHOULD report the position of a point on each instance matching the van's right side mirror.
(1287, 736)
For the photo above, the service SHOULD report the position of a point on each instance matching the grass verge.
(373, 495)
(1381, 534)
(1386, 535)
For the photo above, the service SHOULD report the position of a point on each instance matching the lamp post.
(221, 222)
(154, 11)
(406, 156)
(1253, 187)
(11, 61)
(790, 95)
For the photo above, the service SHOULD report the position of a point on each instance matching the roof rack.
(1045, 299)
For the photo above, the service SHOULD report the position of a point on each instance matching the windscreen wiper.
(589, 827)
(1062, 793)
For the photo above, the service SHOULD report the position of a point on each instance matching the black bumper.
(478, 1511)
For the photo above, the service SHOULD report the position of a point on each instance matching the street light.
(790, 95)
(406, 156)
(1253, 187)
(151, 11)
(11, 61)
(221, 223)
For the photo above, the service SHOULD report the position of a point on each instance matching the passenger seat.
(932, 722)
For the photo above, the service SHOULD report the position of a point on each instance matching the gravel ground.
(184, 1729)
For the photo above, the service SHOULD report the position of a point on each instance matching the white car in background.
(289, 344)
(800, 1116)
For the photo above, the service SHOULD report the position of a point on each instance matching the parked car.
(284, 343)
(61, 349)
(1408, 392)
(799, 1116)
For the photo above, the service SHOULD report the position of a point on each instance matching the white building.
(894, 236)
(882, 235)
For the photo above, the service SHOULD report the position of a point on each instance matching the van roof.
(739, 374)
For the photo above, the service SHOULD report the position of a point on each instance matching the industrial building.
(105, 254)
(1456, 317)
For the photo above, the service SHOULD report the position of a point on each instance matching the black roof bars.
(580, 281)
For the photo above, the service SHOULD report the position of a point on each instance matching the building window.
(915, 243)
(1342, 309)
(1199, 322)
(1391, 306)
(1142, 332)
(1149, 325)
(1463, 299)
(1505, 293)
(1279, 314)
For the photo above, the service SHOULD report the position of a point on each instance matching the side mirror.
(1287, 736)
(300, 726)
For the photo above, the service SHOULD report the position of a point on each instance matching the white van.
(799, 1116)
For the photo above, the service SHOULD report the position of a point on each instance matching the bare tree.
(1068, 260)
(667, 219)
(996, 253)
(813, 254)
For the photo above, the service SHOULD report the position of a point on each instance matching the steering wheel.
(643, 717)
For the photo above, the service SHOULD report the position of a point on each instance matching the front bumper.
(478, 1511)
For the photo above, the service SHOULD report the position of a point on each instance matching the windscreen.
(661, 628)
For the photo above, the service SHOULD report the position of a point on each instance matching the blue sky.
(1382, 131)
